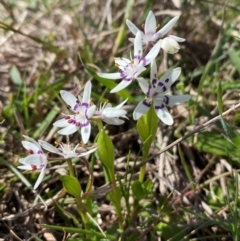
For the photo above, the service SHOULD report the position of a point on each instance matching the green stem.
(143, 168)
(70, 168)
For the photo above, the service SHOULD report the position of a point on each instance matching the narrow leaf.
(106, 152)
(147, 128)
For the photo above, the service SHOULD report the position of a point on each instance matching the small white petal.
(110, 75)
(30, 146)
(152, 54)
(177, 99)
(163, 31)
(36, 160)
(68, 130)
(40, 178)
(178, 39)
(31, 140)
(131, 40)
(132, 27)
(140, 110)
(88, 152)
(61, 123)
(113, 121)
(123, 84)
(138, 44)
(68, 98)
(121, 104)
(140, 69)
(150, 24)
(144, 85)
(85, 133)
(87, 92)
(113, 113)
(164, 115)
(169, 78)
(153, 70)
(122, 62)
(29, 168)
(91, 110)
(49, 147)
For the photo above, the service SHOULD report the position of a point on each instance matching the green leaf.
(106, 152)
(90, 233)
(72, 186)
(15, 76)
(147, 129)
(232, 134)
(219, 98)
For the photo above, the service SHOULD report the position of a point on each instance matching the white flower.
(130, 69)
(83, 111)
(65, 150)
(155, 93)
(35, 161)
(110, 114)
(150, 35)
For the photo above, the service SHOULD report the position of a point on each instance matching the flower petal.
(69, 99)
(143, 85)
(150, 24)
(69, 129)
(110, 75)
(164, 30)
(31, 140)
(122, 62)
(113, 121)
(36, 160)
(26, 167)
(31, 146)
(40, 178)
(123, 84)
(91, 110)
(153, 70)
(113, 113)
(49, 147)
(152, 54)
(176, 99)
(61, 123)
(88, 152)
(164, 115)
(121, 104)
(138, 46)
(168, 79)
(178, 39)
(141, 109)
(87, 92)
(85, 132)
(132, 27)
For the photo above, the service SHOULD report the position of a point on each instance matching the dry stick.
(196, 130)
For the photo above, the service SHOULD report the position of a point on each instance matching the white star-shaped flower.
(65, 150)
(150, 35)
(83, 111)
(130, 69)
(110, 114)
(156, 94)
(36, 159)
